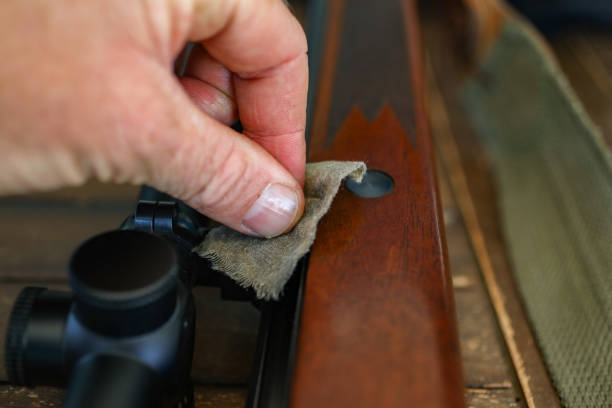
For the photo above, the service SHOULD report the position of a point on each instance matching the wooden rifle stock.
(378, 322)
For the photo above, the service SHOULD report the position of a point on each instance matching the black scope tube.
(104, 380)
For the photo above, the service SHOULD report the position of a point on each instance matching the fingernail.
(273, 212)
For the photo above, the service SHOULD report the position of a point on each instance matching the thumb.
(211, 167)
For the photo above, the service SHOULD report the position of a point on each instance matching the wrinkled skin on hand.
(87, 92)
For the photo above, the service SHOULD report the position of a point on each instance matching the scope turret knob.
(124, 282)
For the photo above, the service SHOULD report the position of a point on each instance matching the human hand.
(87, 91)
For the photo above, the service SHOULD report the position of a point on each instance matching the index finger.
(263, 44)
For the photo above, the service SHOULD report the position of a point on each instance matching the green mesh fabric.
(554, 184)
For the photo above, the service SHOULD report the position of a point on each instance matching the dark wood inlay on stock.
(378, 323)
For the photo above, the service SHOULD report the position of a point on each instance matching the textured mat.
(554, 183)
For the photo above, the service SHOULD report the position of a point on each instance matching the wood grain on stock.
(378, 322)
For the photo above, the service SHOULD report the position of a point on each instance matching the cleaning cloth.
(267, 264)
